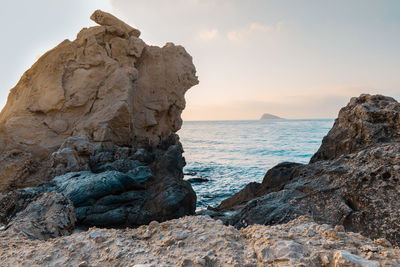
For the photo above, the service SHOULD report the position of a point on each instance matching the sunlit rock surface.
(102, 106)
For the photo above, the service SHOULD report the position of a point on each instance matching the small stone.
(181, 235)
(200, 261)
(382, 242)
(386, 254)
(344, 258)
(368, 248)
(96, 237)
(83, 264)
(325, 260)
(185, 262)
(168, 242)
(325, 246)
(339, 228)
(154, 224)
(310, 232)
(332, 234)
(48, 258)
(147, 234)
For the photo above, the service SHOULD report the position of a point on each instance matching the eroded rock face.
(105, 105)
(107, 85)
(367, 120)
(358, 190)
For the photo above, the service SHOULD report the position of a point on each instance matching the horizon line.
(283, 119)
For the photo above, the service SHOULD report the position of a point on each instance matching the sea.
(224, 156)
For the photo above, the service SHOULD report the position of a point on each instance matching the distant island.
(267, 116)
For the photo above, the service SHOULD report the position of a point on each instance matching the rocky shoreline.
(353, 179)
(88, 141)
(202, 241)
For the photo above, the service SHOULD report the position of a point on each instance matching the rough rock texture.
(51, 215)
(357, 190)
(107, 85)
(201, 241)
(367, 120)
(105, 105)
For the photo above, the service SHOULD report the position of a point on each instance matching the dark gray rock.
(15, 201)
(119, 186)
(50, 215)
(197, 180)
(356, 184)
(359, 191)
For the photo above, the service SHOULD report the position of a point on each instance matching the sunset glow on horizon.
(293, 59)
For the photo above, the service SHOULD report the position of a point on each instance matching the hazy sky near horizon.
(291, 58)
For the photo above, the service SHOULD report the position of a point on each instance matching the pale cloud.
(257, 27)
(253, 29)
(208, 35)
(235, 36)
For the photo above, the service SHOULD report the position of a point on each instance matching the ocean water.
(231, 154)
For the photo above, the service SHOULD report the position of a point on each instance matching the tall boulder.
(105, 105)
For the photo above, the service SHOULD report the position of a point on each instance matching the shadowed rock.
(51, 215)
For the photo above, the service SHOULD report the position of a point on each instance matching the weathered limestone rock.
(358, 188)
(106, 19)
(367, 120)
(105, 105)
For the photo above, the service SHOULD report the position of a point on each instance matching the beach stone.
(50, 215)
(344, 258)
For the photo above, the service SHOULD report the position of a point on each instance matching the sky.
(292, 58)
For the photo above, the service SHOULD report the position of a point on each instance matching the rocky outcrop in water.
(353, 180)
(95, 119)
(267, 116)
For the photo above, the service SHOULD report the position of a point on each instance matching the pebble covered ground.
(202, 241)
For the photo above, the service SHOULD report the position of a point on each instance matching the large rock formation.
(106, 106)
(353, 179)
